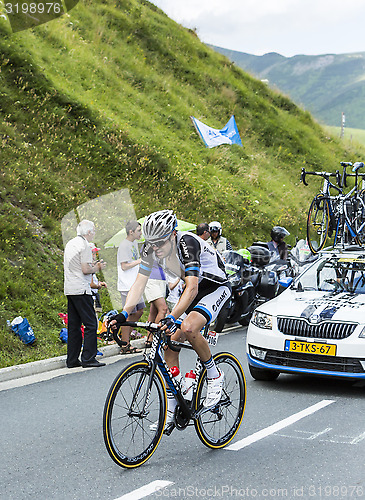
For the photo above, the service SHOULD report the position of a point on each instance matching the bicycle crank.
(181, 419)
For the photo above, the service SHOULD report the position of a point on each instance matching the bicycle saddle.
(357, 166)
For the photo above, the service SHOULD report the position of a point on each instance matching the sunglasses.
(159, 243)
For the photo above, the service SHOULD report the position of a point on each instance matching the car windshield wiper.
(301, 288)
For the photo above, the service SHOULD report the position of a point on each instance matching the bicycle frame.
(156, 361)
(352, 195)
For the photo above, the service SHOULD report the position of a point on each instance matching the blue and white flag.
(213, 137)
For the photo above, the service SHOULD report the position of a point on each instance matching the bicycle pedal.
(205, 410)
(169, 428)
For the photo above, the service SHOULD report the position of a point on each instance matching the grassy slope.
(100, 100)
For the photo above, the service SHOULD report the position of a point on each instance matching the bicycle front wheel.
(318, 223)
(218, 426)
(134, 415)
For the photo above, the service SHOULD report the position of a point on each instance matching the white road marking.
(278, 426)
(305, 435)
(315, 436)
(146, 490)
(358, 438)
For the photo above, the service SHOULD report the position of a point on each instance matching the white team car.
(317, 325)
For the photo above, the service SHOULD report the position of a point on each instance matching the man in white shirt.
(128, 261)
(78, 269)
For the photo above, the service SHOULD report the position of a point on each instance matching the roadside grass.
(351, 135)
(100, 100)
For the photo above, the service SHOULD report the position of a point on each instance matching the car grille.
(325, 330)
(314, 362)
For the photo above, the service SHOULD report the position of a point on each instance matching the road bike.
(135, 408)
(341, 216)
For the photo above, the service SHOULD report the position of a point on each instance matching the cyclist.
(277, 246)
(207, 289)
(216, 240)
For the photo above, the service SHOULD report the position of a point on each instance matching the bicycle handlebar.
(325, 175)
(341, 180)
(153, 327)
(140, 324)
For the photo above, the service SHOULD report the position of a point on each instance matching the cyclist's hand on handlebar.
(115, 322)
(168, 324)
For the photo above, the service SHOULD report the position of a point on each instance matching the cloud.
(285, 26)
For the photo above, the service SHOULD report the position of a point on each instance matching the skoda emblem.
(314, 318)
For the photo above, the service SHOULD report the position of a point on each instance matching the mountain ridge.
(316, 83)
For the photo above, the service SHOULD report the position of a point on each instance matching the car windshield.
(335, 273)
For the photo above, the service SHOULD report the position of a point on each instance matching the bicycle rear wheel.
(134, 417)
(218, 426)
(318, 223)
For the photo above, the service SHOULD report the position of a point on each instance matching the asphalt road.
(301, 437)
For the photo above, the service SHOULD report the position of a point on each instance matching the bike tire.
(318, 223)
(128, 436)
(218, 426)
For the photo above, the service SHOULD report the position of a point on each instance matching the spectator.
(155, 294)
(78, 268)
(216, 240)
(128, 261)
(203, 231)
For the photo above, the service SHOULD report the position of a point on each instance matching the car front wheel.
(263, 373)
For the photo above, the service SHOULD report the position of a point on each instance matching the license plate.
(310, 347)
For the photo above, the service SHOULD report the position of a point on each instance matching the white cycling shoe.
(214, 391)
(169, 421)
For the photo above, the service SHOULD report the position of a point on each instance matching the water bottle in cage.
(189, 381)
(177, 376)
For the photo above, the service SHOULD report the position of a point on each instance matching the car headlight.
(262, 320)
(362, 333)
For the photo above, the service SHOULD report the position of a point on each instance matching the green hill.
(100, 100)
(326, 85)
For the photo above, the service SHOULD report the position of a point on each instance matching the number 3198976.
(33, 8)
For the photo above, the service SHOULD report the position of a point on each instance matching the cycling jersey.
(193, 257)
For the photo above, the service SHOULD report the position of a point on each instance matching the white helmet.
(215, 226)
(159, 225)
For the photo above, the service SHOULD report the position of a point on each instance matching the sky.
(289, 27)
